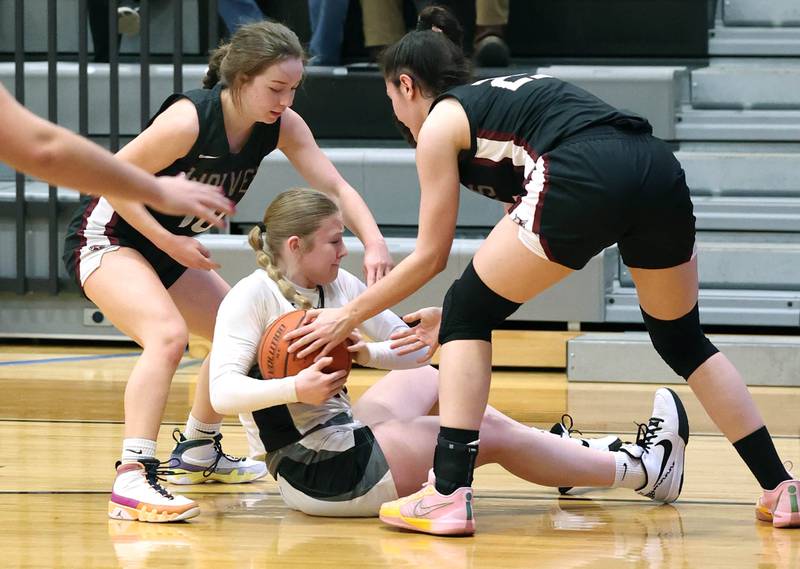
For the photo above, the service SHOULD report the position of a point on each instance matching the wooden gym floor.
(60, 413)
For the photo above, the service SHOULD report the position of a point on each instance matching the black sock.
(454, 459)
(462, 436)
(758, 452)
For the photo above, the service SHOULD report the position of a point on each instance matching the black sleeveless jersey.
(210, 160)
(514, 120)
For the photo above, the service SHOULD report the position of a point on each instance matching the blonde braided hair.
(298, 211)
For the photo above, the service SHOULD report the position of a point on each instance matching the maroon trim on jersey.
(505, 137)
(537, 215)
(81, 231)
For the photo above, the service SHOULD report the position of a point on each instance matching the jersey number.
(512, 85)
(198, 225)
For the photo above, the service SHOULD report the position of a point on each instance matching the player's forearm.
(382, 356)
(233, 393)
(358, 218)
(139, 218)
(63, 158)
(411, 274)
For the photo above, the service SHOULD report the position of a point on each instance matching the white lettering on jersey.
(237, 183)
(506, 83)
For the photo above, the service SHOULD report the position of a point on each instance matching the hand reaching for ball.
(358, 348)
(314, 387)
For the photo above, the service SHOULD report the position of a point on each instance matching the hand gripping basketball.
(274, 359)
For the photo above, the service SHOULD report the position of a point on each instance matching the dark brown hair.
(433, 59)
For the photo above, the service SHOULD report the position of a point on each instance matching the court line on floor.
(228, 423)
(69, 359)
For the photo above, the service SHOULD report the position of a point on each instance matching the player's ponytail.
(265, 260)
(440, 19)
(214, 64)
(433, 59)
(299, 212)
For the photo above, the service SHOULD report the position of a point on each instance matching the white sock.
(136, 449)
(198, 430)
(629, 472)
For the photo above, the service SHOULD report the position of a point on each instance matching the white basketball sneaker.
(661, 446)
(138, 495)
(216, 466)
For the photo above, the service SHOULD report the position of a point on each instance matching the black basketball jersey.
(517, 119)
(210, 160)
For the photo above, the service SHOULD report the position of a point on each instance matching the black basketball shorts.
(608, 186)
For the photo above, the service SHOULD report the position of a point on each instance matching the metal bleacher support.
(161, 86)
(161, 31)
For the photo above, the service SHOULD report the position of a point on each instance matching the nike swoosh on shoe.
(664, 461)
(422, 511)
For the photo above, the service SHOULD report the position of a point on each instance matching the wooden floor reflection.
(60, 433)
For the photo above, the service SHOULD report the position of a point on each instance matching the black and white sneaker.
(661, 446)
(565, 429)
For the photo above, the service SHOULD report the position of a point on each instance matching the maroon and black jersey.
(516, 119)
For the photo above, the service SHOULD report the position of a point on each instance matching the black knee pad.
(471, 310)
(680, 343)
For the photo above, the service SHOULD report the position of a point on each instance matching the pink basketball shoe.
(781, 506)
(428, 511)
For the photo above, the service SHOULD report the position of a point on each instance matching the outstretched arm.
(381, 330)
(54, 154)
(444, 134)
(297, 142)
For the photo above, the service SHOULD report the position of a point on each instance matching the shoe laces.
(153, 473)
(646, 433)
(177, 435)
(568, 424)
(220, 454)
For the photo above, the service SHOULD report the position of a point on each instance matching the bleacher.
(733, 116)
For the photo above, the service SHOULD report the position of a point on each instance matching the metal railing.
(22, 283)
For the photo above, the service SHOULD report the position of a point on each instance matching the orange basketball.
(275, 361)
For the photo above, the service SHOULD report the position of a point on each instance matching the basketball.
(274, 359)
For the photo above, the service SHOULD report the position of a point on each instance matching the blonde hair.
(297, 211)
(252, 48)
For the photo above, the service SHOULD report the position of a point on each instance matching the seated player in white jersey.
(332, 458)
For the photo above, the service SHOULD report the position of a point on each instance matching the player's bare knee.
(169, 342)
(471, 310)
(681, 343)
